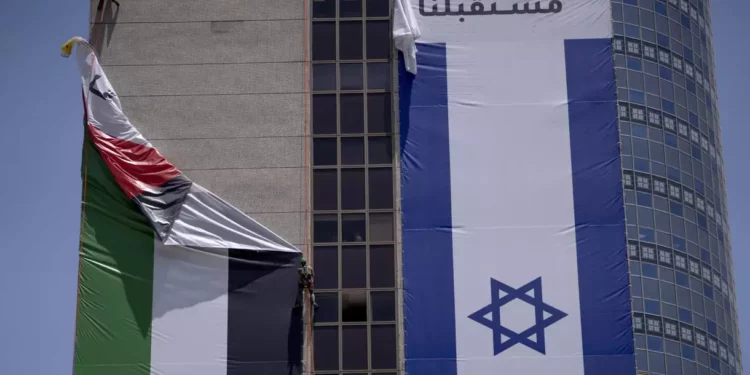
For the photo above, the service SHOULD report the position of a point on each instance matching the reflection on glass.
(353, 267)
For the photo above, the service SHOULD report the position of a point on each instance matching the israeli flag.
(514, 247)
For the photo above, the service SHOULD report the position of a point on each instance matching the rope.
(305, 140)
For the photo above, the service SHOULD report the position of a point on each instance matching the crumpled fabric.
(406, 32)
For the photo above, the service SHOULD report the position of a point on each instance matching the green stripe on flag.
(113, 332)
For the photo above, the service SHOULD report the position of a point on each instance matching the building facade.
(288, 110)
(682, 282)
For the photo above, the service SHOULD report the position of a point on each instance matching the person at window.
(306, 279)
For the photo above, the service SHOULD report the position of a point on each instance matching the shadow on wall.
(103, 23)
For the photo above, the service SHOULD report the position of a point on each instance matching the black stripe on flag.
(265, 332)
(162, 205)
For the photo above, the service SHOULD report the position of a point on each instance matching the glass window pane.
(350, 8)
(381, 227)
(378, 8)
(326, 348)
(324, 8)
(381, 188)
(353, 267)
(326, 259)
(383, 306)
(325, 228)
(324, 77)
(324, 151)
(352, 113)
(352, 151)
(325, 189)
(324, 41)
(382, 266)
(380, 150)
(354, 347)
(379, 76)
(353, 228)
(379, 113)
(351, 76)
(383, 347)
(378, 40)
(350, 40)
(353, 306)
(324, 114)
(328, 307)
(352, 189)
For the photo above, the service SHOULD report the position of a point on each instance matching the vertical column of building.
(680, 256)
(217, 87)
(353, 188)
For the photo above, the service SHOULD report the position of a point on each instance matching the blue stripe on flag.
(599, 212)
(429, 317)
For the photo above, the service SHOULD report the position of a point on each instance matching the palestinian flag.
(172, 279)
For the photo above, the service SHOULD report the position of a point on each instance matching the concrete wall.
(218, 87)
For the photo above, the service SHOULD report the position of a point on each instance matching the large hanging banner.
(514, 248)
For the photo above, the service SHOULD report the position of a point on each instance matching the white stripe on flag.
(190, 304)
(512, 192)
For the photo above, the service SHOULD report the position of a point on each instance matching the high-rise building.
(289, 110)
(685, 312)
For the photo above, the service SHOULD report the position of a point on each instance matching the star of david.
(504, 338)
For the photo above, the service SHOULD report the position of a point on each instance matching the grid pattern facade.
(682, 282)
(353, 182)
(685, 315)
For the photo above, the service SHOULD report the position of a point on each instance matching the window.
(694, 136)
(628, 180)
(700, 339)
(698, 77)
(717, 280)
(669, 123)
(684, 6)
(700, 203)
(674, 191)
(664, 56)
(693, 14)
(695, 267)
(679, 261)
(688, 197)
(665, 257)
(649, 52)
(660, 186)
(653, 325)
(642, 182)
(353, 187)
(677, 63)
(647, 252)
(623, 111)
(712, 345)
(710, 211)
(686, 334)
(618, 45)
(637, 114)
(712, 151)
(704, 143)
(654, 118)
(633, 250)
(683, 129)
(706, 273)
(638, 322)
(689, 70)
(634, 47)
(670, 329)
(724, 287)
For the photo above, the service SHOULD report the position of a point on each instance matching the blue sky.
(40, 149)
